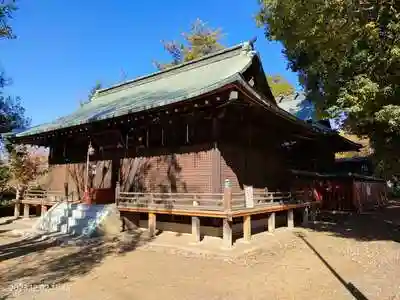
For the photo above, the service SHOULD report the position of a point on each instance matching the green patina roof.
(170, 86)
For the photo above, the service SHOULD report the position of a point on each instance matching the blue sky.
(64, 47)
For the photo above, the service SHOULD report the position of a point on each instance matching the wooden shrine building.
(190, 129)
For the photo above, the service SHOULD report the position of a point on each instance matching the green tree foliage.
(25, 166)
(5, 177)
(199, 41)
(347, 55)
(7, 8)
(202, 40)
(12, 114)
(279, 85)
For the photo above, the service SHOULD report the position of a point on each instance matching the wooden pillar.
(290, 218)
(17, 205)
(227, 233)
(152, 224)
(247, 228)
(117, 191)
(227, 222)
(196, 229)
(305, 216)
(44, 209)
(216, 185)
(26, 211)
(196, 225)
(271, 222)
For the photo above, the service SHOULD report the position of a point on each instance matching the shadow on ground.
(380, 224)
(351, 288)
(26, 246)
(58, 265)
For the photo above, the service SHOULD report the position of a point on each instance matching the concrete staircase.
(74, 219)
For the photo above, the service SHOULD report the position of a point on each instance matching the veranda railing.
(203, 201)
(46, 195)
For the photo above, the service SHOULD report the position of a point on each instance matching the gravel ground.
(340, 257)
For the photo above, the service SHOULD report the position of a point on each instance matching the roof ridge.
(244, 46)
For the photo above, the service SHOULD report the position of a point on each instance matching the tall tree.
(12, 114)
(202, 40)
(347, 54)
(279, 85)
(199, 41)
(7, 9)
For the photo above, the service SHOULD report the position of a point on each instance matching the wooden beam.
(179, 212)
(268, 209)
(122, 206)
(271, 222)
(247, 228)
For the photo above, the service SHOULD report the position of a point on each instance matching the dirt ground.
(339, 257)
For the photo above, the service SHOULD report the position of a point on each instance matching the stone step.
(76, 219)
(79, 214)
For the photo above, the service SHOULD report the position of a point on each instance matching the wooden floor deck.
(225, 206)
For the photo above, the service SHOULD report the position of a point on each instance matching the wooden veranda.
(236, 210)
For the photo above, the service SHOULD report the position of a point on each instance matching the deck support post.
(227, 233)
(290, 218)
(117, 191)
(305, 216)
(152, 224)
(247, 228)
(43, 209)
(16, 209)
(271, 222)
(196, 229)
(17, 205)
(227, 222)
(26, 211)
